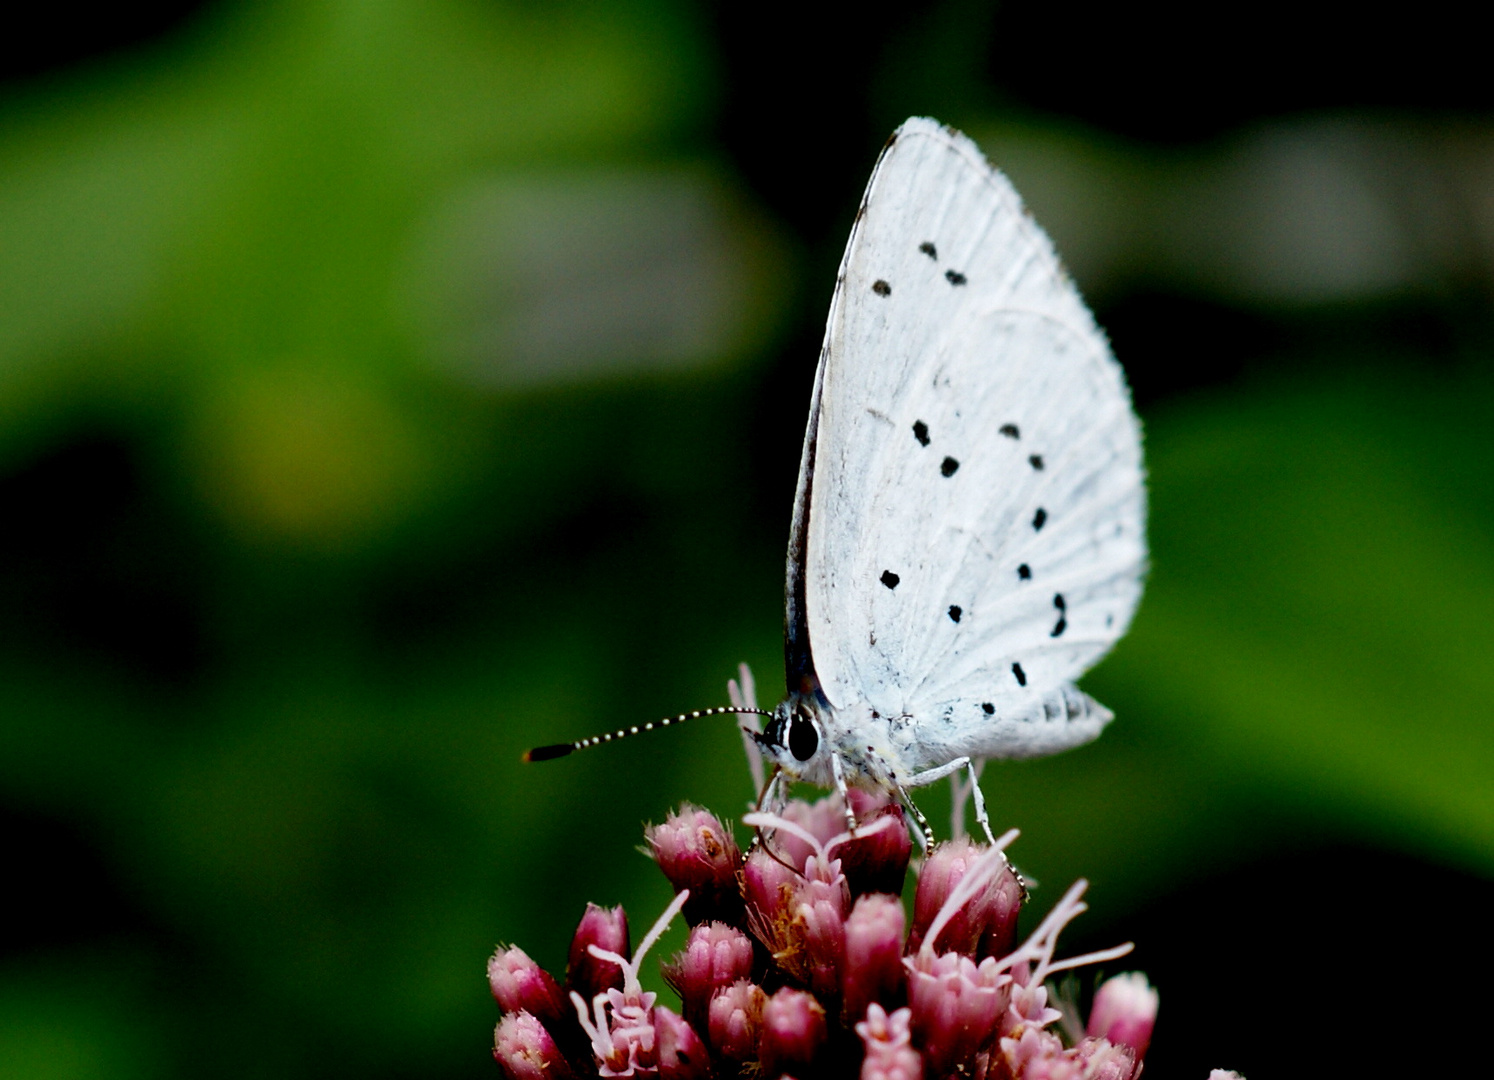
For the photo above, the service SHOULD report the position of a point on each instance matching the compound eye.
(803, 739)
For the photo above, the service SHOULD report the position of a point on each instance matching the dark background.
(387, 387)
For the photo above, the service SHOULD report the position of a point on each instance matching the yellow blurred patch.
(295, 452)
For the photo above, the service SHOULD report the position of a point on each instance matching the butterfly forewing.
(969, 532)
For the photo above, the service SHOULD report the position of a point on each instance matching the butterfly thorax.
(806, 732)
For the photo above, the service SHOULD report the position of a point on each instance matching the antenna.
(555, 750)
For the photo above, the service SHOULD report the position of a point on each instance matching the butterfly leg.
(939, 772)
(765, 802)
(950, 770)
(769, 789)
(980, 801)
(923, 833)
(960, 792)
(840, 786)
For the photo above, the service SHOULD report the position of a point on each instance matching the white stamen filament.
(1113, 953)
(882, 824)
(744, 696)
(1041, 942)
(598, 1030)
(631, 985)
(763, 820)
(1040, 945)
(601, 1041)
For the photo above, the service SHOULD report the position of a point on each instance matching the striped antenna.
(546, 753)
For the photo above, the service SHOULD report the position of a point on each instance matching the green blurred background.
(390, 385)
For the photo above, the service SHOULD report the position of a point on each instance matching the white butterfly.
(969, 528)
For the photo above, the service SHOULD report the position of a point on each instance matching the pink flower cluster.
(802, 962)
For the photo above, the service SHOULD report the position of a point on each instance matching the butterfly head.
(794, 740)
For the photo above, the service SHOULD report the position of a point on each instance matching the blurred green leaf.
(78, 1019)
(1318, 610)
(215, 250)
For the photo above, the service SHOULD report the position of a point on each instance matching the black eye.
(803, 739)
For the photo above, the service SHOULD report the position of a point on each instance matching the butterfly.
(969, 524)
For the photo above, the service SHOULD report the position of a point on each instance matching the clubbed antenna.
(555, 750)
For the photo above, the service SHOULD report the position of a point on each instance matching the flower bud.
(715, 956)
(698, 853)
(518, 983)
(1027, 1003)
(768, 887)
(886, 1040)
(1100, 1059)
(1035, 1054)
(818, 936)
(607, 929)
(525, 1050)
(873, 965)
(627, 1044)
(800, 920)
(682, 1056)
(876, 862)
(987, 925)
(955, 1004)
(792, 1032)
(735, 1018)
(1124, 1012)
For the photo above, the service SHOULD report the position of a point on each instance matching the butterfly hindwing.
(969, 532)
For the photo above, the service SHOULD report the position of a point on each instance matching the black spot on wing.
(1010, 431)
(927, 247)
(955, 612)
(1024, 572)
(1020, 674)
(921, 432)
(948, 466)
(890, 579)
(954, 277)
(1036, 461)
(1038, 519)
(881, 288)
(1062, 624)
(990, 710)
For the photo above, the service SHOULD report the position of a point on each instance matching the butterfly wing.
(968, 533)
